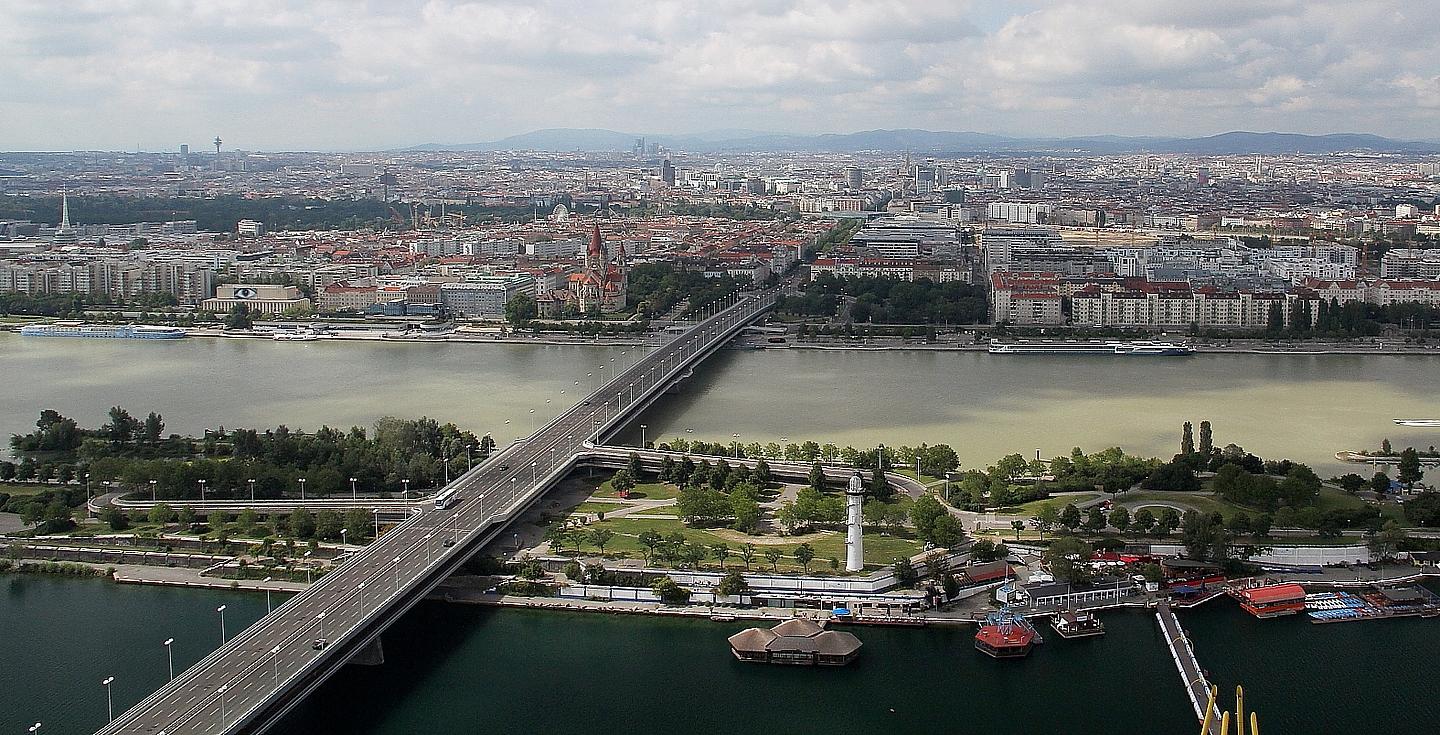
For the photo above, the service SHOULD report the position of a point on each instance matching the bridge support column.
(371, 655)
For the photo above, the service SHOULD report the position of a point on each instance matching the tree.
(154, 427)
(1260, 525)
(650, 540)
(817, 477)
(761, 473)
(1120, 519)
(721, 552)
(328, 524)
(1239, 524)
(1018, 526)
(112, 516)
(1207, 441)
(1205, 537)
(357, 525)
(746, 511)
(1047, 518)
(1068, 559)
(1187, 440)
(239, 317)
(622, 482)
(634, 467)
(804, 553)
(600, 537)
(160, 513)
(1094, 519)
(1351, 482)
(185, 516)
(302, 524)
(1143, 521)
(905, 572)
(947, 532)
(520, 309)
(923, 514)
(1169, 521)
(122, 426)
(1408, 471)
(747, 553)
(773, 555)
(985, 550)
(1391, 535)
(1380, 483)
(1070, 517)
(733, 584)
(669, 592)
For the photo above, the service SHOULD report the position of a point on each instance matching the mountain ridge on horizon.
(1235, 142)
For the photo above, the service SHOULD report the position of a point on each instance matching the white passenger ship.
(121, 331)
(1142, 348)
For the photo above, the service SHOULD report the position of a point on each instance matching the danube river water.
(462, 669)
(1305, 407)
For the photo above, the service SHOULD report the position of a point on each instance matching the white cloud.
(274, 74)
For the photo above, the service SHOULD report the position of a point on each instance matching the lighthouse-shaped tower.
(854, 538)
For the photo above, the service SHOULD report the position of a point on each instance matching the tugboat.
(1077, 624)
(1006, 635)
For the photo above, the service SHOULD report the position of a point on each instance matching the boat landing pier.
(1197, 687)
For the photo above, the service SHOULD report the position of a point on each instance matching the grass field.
(643, 491)
(23, 489)
(1033, 507)
(879, 549)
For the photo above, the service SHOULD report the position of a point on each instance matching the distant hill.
(929, 141)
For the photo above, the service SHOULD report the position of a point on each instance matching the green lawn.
(879, 549)
(593, 507)
(1201, 503)
(1033, 507)
(22, 489)
(927, 479)
(643, 491)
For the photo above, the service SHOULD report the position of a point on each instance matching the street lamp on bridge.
(354, 494)
(109, 703)
(169, 658)
(221, 610)
(302, 489)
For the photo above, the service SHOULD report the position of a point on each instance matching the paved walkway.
(10, 523)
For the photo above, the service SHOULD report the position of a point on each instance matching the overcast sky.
(270, 75)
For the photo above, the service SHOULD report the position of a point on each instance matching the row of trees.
(934, 460)
(890, 300)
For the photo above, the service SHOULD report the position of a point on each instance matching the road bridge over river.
(250, 682)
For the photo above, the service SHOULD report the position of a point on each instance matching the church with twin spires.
(601, 283)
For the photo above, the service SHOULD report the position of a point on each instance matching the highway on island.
(251, 681)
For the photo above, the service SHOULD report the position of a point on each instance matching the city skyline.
(285, 76)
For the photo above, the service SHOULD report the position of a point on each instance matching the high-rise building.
(854, 177)
(667, 172)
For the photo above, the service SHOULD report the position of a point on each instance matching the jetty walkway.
(1197, 687)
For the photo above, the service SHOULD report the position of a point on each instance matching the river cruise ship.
(121, 331)
(1067, 347)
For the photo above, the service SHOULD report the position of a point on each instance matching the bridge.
(255, 678)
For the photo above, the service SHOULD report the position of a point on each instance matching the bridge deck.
(249, 682)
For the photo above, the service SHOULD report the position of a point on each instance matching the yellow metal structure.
(1223, 719)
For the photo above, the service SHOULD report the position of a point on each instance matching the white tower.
(854, 539)
(64, 211)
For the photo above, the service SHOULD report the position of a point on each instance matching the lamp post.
(202, 491)
(268, 609)
(223, 716)
(109, 703)
(354, 494)
(87, 502)
(35, 727)
(307, 558)
(377, 523)
(532, 472)
(252, 490)
(736, 437)
(469, 459)
(275, 657)
(395, 570)
(302, 489)
(169, 658)
(405, 493)
(221, 610)
(152, 490)
(512, 489)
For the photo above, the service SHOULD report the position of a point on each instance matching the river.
(457, 668)
(1305, 407)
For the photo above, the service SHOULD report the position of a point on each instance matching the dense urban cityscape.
(731, 379)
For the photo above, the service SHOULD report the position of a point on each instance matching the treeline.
(933, 459)
(131, 453)
(655, 288)
(1014, 480)
(890, 300)
(1354, 319)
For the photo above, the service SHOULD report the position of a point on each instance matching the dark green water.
(59, 637)
(461, 669)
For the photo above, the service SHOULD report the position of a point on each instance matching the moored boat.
(1006, 635)
(121, 331)
(1077, 624)
(1084, 347)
